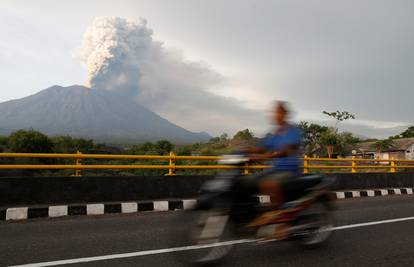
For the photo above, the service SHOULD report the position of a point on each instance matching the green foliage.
(30, 141)
(162, 147)
(334, 141)
(67, 144)
(84, 145)
(63, 144)
(331, 141)
(339, 116)
(244, 135)
(311, 136)
(347, 142)
(320, 140)
(4, 143)
(383, 145)
(408, 133)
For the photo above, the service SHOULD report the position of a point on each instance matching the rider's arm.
(257, 149)
(289, 150)
(292, 145)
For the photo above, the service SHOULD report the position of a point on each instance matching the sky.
(233, 58)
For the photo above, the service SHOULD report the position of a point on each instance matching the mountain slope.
(90, 113)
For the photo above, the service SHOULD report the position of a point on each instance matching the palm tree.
(383, 145)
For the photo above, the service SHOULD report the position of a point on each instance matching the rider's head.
(281, 112)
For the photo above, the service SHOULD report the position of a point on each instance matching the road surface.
(141, 240)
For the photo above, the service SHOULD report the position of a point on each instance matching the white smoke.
(120, 54)
(113, 51)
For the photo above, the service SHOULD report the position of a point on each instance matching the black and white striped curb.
(374, 193)
(24, 213)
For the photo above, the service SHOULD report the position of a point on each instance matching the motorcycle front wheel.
(205, 236)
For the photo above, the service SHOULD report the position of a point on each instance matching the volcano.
(101, 115)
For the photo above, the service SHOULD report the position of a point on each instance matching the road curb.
(373, 193)
(90, 209)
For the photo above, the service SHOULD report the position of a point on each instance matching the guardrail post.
(392, 165)
(171, 169)
(246, 169)
(353, 165)
(305, 164)
(78, 162)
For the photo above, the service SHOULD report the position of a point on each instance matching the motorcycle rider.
(283, 149)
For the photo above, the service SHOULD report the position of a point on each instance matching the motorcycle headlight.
(218, 185)
(232, 159)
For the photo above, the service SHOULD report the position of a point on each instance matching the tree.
(164, 147)
(4, 143)
(143, 149)
(244, 135)
(67, 144)
(30, 141)
(408, 133)
(63, 144)
(311, 137)
(330, 139)
(339, 116)
(383, 145)
(224, 138)
(347, 141)
(84, 145)
(214, 140)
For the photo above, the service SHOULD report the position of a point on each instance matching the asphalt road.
(45, 240)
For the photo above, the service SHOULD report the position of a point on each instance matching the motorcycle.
(229, 212)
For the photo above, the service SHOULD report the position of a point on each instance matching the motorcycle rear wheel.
(321, 225)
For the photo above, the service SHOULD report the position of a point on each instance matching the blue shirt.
(282, 139)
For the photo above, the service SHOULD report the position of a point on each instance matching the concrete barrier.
(23, 191)
(347, 181)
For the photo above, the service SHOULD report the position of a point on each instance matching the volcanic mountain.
(90, 113)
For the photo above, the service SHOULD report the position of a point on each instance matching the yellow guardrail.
(353, 164)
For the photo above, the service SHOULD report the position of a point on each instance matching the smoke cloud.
(121, 55)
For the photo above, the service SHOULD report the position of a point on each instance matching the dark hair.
(283, 105)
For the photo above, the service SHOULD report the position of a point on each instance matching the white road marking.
(372, 223)
(169, 250)
(134, 254)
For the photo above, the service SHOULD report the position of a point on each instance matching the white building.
(403, 149)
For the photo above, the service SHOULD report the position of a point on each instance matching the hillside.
(90, 113)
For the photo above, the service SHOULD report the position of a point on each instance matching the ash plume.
(121, 55)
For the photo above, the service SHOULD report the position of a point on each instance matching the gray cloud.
(352, 55)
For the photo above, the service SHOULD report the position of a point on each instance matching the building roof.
(401, 144)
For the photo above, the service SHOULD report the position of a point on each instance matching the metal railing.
(354, 164)
(341, 164)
